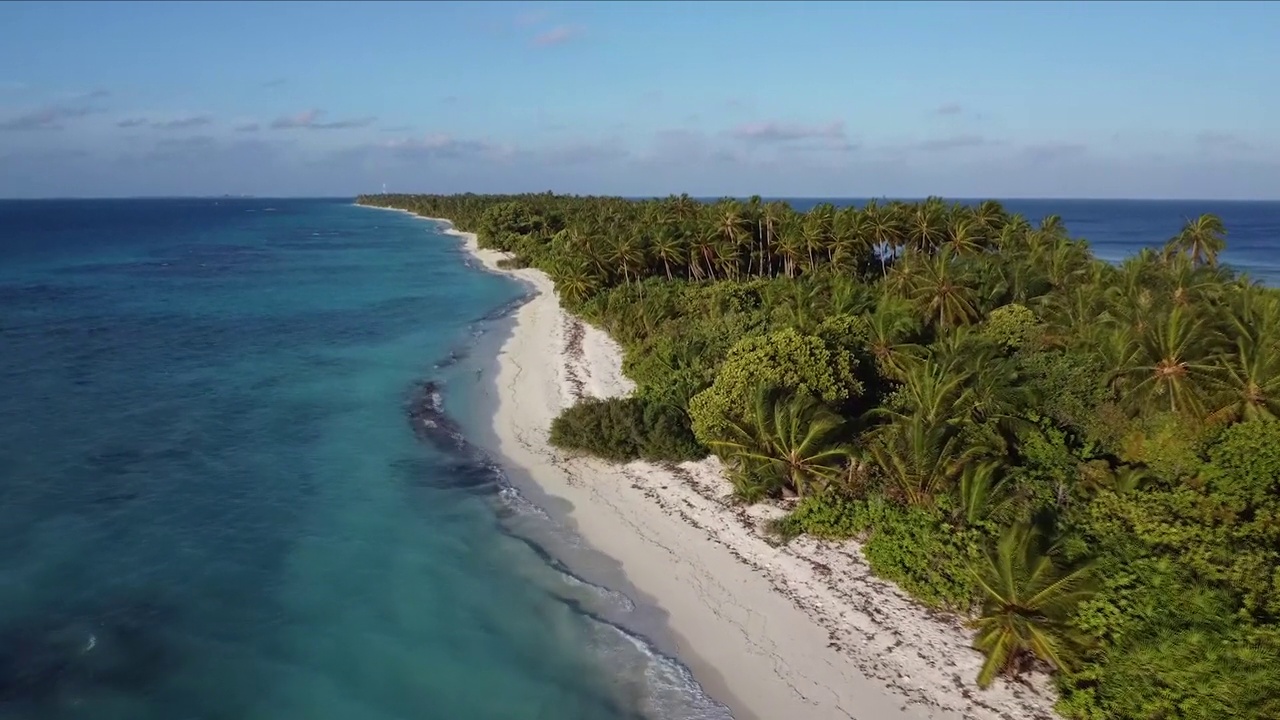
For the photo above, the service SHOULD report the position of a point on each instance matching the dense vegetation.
(1084, 458)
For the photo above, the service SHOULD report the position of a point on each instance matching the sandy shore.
(799, 632)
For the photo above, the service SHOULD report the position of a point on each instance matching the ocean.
(245, 473)
(240, 478)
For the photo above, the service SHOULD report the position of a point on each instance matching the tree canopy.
(1081, 458)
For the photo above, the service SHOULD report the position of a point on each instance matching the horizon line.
(644, 197)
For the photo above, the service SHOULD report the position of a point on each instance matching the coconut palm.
(920, 459)
(941, 291)
(1201, 239)
(702, 253)
(1169, 364)
(814, 235)
(669, 248)
(1247, 376)
(575, 280)
(772, 216)
(849, 241)
(626, 253)
(889, 330)
(982, 493)
(1027, 606)
(790, 244)
(926, 225)
(732, 227)
(791, 437)
(967, 235)
(884, 230)
(991, 215)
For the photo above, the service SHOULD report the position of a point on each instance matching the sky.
(790, 99)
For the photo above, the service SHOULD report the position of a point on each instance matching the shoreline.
(801, 630)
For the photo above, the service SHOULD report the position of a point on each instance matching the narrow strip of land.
(795, 631)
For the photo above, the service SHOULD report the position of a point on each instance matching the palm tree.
(849, 245)
(792, 437)
(702, 254)
(772, 217)
(627, 254)
(1065, 263)
(731, 226)
(791, 244)
(846, 296)
(669, 248)
(1201, 239)
(1027, 607)
(884, 230)
(991, 215)
(940, 290)
(1247, 376)
(1193, 284)
(926, 225)
(813, 232)
(1168, 364)
(920, 459)
(1052, 227)
(936, 391)
(982, 493)
(575, 281)
(1073, 316)
(1013, 234)
(888, 331)
(967, 235)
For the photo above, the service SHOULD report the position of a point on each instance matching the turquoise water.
(214, 503)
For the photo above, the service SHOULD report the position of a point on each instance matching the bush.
(667, 435)
(913, 547)
(622, 429)
(1010, 326)
(1170, 647)
(513, 263)
(1070, 386)
(785, 360)
(922, 553)
(830, 517)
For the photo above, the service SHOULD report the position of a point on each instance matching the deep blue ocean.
(219, 498)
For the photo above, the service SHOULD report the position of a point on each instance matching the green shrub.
(622, 429)
(1010, 326)
(923, 554)
(667, 435)
(913, 547)
(513, 263)
(785, 360)
(1170, 647)
(830, 516)
(1070, 385)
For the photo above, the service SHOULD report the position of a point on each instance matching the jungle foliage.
(1081, 458)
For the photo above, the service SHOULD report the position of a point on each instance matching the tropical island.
(1079, 459)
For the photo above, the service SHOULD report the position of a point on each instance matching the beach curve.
(798, 631)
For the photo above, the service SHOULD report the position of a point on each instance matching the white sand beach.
(801, 632)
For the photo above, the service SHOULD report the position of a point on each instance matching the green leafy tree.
(787, 360)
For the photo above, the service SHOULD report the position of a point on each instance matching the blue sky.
(1173, 100)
